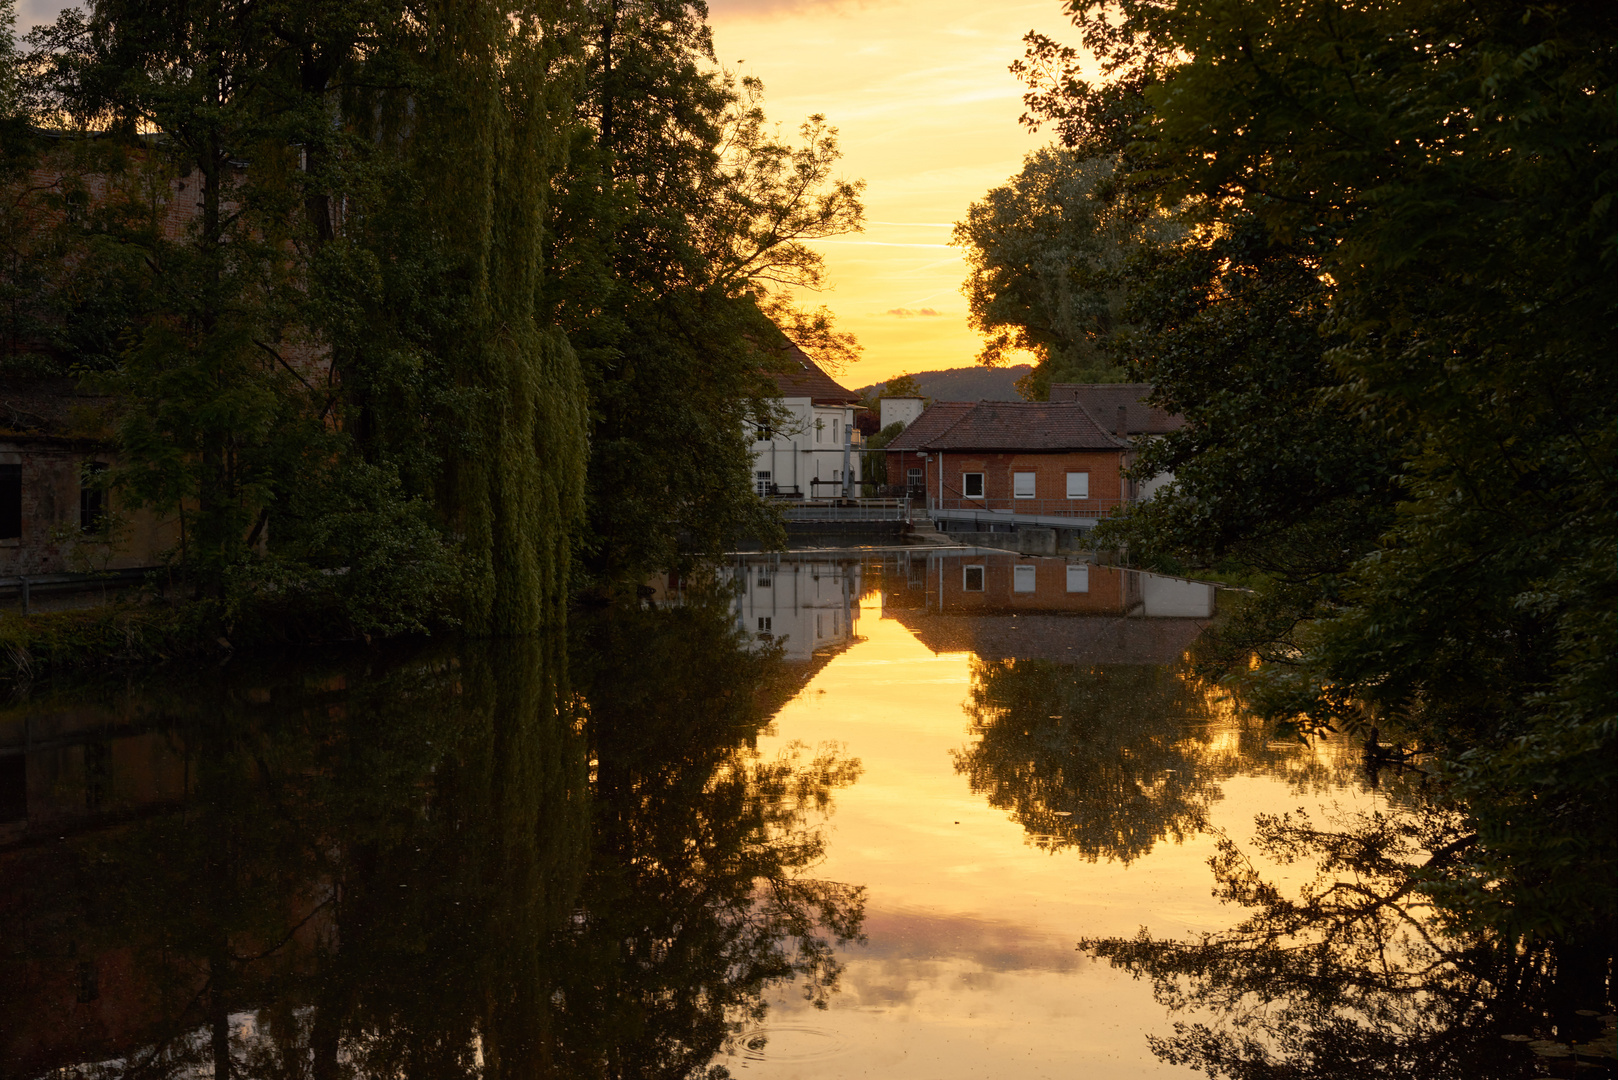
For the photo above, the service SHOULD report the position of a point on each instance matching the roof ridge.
(971, 407)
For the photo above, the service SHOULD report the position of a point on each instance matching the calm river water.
(815, 815)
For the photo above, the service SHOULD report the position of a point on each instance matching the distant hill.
(965, 384)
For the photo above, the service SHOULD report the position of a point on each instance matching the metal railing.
(848, 510)
(1079, 508)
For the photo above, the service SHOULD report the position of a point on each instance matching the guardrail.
(1079, 508)
(848, 510)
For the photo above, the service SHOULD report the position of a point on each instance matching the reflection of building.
(1000, 605)
(808, 604)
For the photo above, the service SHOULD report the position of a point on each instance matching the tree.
(1452, 162)
(1045, 256)
(679, 236)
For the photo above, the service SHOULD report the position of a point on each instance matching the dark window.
(13, 788)
(972, 485)
(972, 579)
(92, 497)
(10, 502)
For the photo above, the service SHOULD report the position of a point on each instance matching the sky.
(928, 118)
(927, 111)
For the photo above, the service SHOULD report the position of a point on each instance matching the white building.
(901, 410)
(814, 451)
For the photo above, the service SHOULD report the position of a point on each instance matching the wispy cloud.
(913, 313)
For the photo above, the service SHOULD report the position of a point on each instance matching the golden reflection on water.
(979, 874)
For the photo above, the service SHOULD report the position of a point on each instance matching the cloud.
(913, 313)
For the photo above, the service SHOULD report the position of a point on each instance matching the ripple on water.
(787, 1043)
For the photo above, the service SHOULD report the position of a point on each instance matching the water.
(825, 815)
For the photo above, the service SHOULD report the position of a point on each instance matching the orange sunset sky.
(928, 115)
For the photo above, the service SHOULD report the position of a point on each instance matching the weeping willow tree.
(343, 353)
(491, 109)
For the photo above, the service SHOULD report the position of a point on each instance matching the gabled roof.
(1103, 400)
(801, 377)
(1006, 425)
(933, 420)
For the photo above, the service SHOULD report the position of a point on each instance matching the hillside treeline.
(467, 308)
(1368, 251)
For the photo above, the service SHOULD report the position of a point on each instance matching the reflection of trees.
(1108, 761)
(1357, 976)
(391, 871)
(695, 900)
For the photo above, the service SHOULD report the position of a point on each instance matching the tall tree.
(1453, 163)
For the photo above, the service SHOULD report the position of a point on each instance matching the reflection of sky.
(970, 970)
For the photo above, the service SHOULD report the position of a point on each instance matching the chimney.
(1123, 422)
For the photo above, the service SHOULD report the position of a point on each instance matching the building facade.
(811, 448)
(1124, 409)
(1016, 458)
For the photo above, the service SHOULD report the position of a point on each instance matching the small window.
(972, 485)
(820, 626)
(913, 477)
(1078, 577)
(761, 481)
(763, 433)
(10, 501)
(1078, 485)
(1022, 579)
(972, 579)
(92, 497)
(820, 425)
(764, 624)
(1022, 485)
(834, 431)
(13, 788)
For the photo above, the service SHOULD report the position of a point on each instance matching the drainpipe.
(848, 449)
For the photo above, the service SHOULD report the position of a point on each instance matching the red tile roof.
(797, 376)
(1103, 401)
(1006, 425)
(936, 418)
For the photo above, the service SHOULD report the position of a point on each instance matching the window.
(763, 579)
(92, 497)
(834, 431)
(1078, 485)
(761, 481)
(1078, 577)
(913, 478)
(972, 579)
(820, 425)
(972, 485)
(820, 626)
(837, 475)
(10, 501)
(1022, 579)
(1022, 485)
(764, 624)
(763, 433)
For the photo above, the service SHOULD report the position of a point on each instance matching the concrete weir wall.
(1026, 541)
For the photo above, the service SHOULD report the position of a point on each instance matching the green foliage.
(679, 232)
(1044, 257)
(1444, 171)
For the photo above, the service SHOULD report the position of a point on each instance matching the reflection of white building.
(806, 454)
(808, 604)
(1174, 598)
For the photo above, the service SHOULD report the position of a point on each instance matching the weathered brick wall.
(51, 542)
(1107, 484)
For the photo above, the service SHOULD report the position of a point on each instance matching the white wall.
(794, 456)
(901, 410)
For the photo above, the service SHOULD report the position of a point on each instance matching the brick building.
(1030, 459)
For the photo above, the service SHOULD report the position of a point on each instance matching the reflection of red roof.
(1103, 400)
(800, 377)
(1006, 425)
